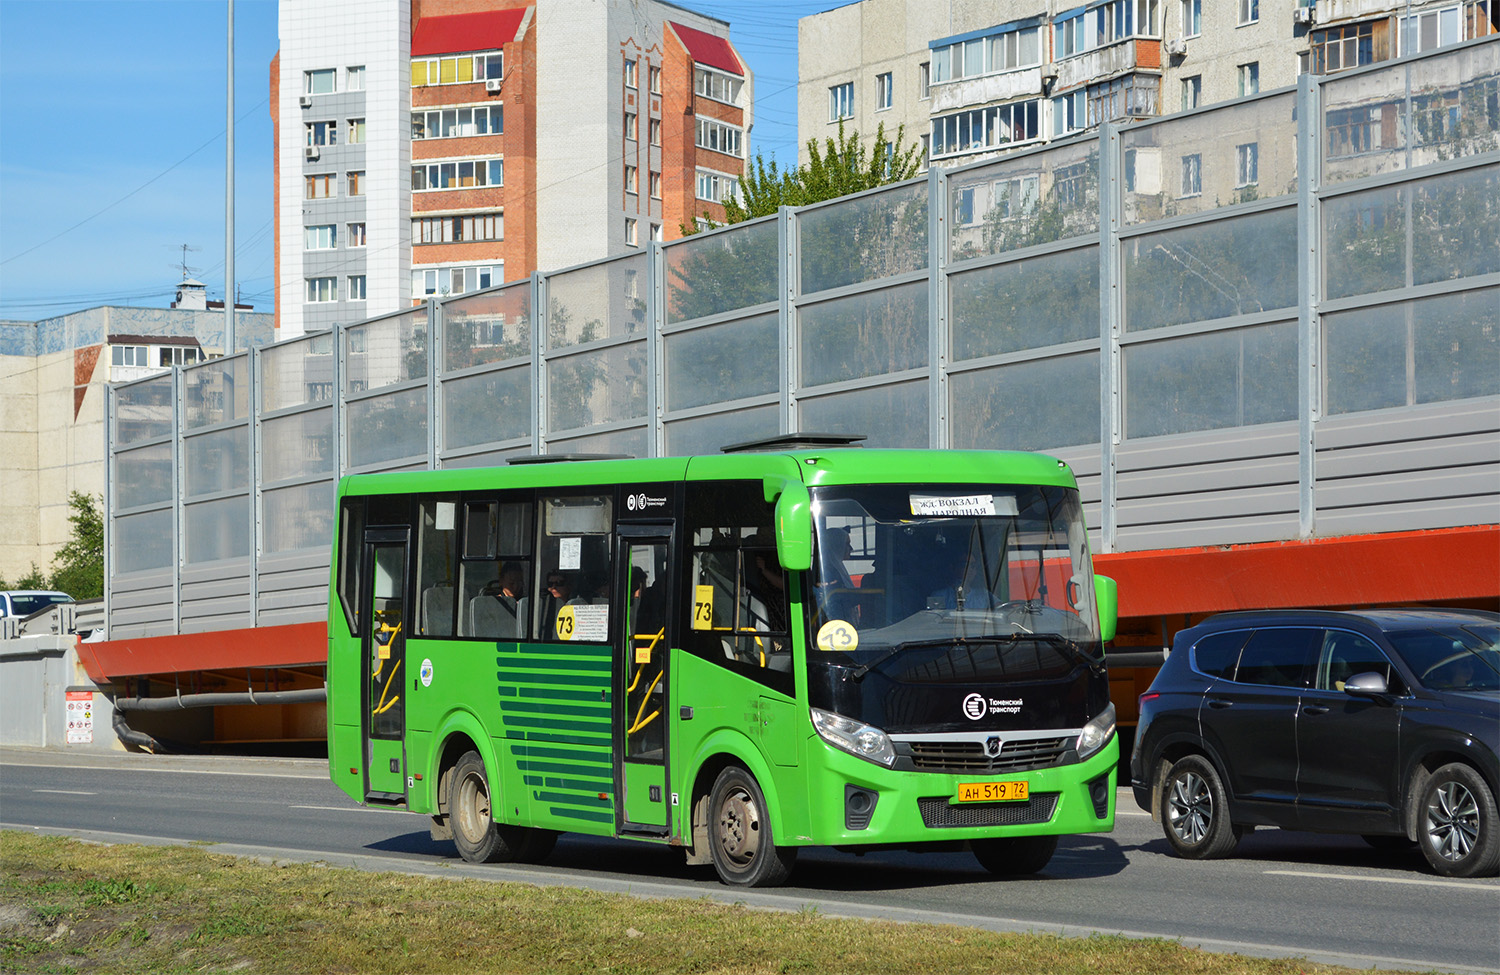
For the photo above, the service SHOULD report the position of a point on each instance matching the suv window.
(1216, 654)
(1279, 656)
(1346, 654)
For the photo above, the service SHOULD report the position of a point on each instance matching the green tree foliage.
(78, 567)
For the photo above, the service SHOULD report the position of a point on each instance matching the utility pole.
(229, 346)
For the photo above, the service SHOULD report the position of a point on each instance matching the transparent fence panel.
(1453, 220)
(1026, 304)
(1211, 381)
(1453, 97)
(388, 428)
(141, 542)
(215, 392)
(875, 236)
(1037, 198)
(631, 443)
(1239, 266)
(597, 387)
(296, 373)
(490, 327)
(217, 530)
(891, 416)
(143, 476)
(721, 272)
(1035, 405)
(486, 408)
(602, 301)
(722, 362)
(298, 445)
(707, 434)
(143, 411)
(1401, 354)
(1211, 159)
(386, 351)
(862, 335)
(216, 462)
(298, 517)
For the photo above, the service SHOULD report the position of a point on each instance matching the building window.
(318, 82)
(452, 123)
(653, 73)
(630, 232)
(631, 132)
(984, 128)
(128, 355)
(321, 133)
(718, 137)
(463, 69)
(882, 91)
(631, 180)
(841, 101)
(1249, 11)
(1004, 50)
(1145, 17)
(924, 80)
(451, 230)
(1250, 79)
(437, 282)
(1069, 112)
(355, 236)
(656, 231)
(716, 85)
(356, 287)
(1192, 18)
(458, 175)
(178, 355)
(653, 126)
(1340, 48)
(320, 238)
(1192, 91)
(630, 75)
(322, 289)
(356, 131)
(1069, 37)
(319, 186)
(1247, 164)
(655, 182)
(356, 182)
(715, 187)
(354, 78)
(1192, 175)
(1434, 28)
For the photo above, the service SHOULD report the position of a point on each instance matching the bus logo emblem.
(975, 706)
(992, 746)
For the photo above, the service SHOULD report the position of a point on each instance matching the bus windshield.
(938, 584)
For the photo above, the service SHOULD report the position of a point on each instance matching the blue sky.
(112, 142)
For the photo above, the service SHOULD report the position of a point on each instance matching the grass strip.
(68, 906)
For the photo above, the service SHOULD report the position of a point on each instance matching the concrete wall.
(36, 672)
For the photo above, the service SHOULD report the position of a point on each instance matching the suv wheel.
(1195, 811)
(1457, 830)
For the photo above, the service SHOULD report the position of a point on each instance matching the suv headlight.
(1096, 733)
(856, 737)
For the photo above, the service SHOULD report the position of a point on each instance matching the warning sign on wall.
(80, 717)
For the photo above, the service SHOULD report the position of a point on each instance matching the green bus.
(797, 642)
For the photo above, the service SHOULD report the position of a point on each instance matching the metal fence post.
(252, 401)
(1111, 316)
(434, 371)
(1309, 286)
(538, 370)
(939, 436)
(178, 513)
(656, 438)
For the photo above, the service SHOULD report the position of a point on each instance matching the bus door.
(643, 680)
(383, 648)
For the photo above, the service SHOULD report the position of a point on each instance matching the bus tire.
(744, 851)
(1013, 856)
(1195, 811)
(477, 836)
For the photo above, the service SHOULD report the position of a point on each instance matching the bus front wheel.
(744, 852)
(476, 834)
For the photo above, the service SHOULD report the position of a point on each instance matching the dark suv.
(1377, 722)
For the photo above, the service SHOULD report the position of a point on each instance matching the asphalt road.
(1285, 894)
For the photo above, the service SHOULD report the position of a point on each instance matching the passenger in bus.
(500, 607)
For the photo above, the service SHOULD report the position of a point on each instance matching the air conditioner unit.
(305, 101)
(1176, 46)
(312, 152)
(493, 84)
(1303, 15)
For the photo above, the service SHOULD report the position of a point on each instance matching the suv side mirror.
(1367, 684)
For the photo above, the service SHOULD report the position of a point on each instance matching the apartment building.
(428, 148)
(973, 80)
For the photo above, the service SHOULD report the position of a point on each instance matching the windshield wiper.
(1072, 649)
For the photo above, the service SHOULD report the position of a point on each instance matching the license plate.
(993, 791)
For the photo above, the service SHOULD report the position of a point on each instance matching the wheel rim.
(1190, 807)
(473, 817)
(1452, 821)
(739, 828)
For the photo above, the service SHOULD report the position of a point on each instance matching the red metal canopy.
(708, 50)
(488, 31)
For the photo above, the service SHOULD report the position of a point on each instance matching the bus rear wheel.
(477, 836)
(1016, 855)
(744, 852)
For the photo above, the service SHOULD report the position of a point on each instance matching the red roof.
(455, 33)
(708, 49)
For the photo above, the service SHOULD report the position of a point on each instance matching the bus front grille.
(939, 812)
(968, 757)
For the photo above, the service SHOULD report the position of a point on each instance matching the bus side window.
(495, 570)
(574, 562)
(437, 555)
(351, 550)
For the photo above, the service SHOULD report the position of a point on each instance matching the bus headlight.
(1096, 733)
(854, 737)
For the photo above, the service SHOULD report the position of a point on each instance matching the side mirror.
(793, 523)
(1367, 684)
(1107, 599)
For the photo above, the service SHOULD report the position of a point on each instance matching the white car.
(25, 602)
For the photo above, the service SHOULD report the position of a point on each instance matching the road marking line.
(1451, 884)
(65, 792)
(349, 809)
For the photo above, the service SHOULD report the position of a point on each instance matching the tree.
(78, 567)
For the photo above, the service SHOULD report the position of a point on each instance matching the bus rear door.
(384, 658)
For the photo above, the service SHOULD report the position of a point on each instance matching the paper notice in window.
(957, 505)
(569, 553)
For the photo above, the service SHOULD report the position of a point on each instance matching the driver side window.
(1345, 654)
